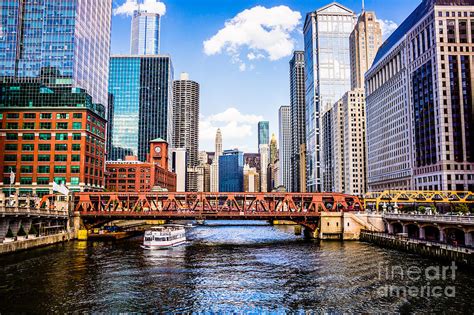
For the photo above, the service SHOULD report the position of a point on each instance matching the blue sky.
(243, 73)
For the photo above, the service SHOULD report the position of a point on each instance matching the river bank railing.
(435, 218)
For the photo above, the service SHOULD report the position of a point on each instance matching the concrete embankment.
(30, 243)
(460, 255)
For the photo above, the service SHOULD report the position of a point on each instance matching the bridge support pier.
(15, 226)
(4, 224)
(26, 224)
(468, 238)
(422, 232)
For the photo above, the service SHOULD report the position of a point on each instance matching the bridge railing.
(32, 211)
(431, 218)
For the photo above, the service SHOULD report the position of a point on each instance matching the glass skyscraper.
(328, 76)
(145, 35)
(263, 133)
(140, 104)
(70, 38)
(231, 171)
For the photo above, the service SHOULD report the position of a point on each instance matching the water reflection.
(223, 268)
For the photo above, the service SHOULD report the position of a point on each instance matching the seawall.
(30, 243)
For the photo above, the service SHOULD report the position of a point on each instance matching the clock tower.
(159, 152)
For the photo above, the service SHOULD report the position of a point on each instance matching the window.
(27, 158)
(11, 147)
(76, 125)
(28, 136)
(12, 136)
(75, 181)
(28, 147)
(29, 115)
(45, 136)
(61, 136)
(44, 147)
(60, 180)
(76, 136)
(76, 147)
(76, 158)
(43, 169)
(60, 158)
(61, 147)
(46, 116)
(44, 158)
(75, 169)
(77, 115)
(61, 125)
(45, 125)
(26, 181)
(62, 116)
(60, 169)
(10, 157)
(13, 115)
(29, 125)
(42, 180)
(8, 169)
(27, 169)
(12, 125)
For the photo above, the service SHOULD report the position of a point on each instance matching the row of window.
(43, 116)
(47, 158)
(43, 180)
(43, 136)
(42, 147)
(44, 169)
(44, 125)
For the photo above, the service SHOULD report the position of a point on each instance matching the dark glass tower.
(140, 94)
(231, 171)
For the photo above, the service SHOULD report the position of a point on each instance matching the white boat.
(164, 237)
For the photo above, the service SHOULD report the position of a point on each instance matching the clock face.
(157, 149)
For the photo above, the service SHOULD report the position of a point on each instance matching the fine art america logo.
(415, 281)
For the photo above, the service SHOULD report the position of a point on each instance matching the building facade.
(186, 124)
(231, 171)
(50, 133)
(419, 102)
(145, 33)
(264, 151)
(365, 40)
(132, 175)
(297, 118)
(285, 147)
(140, 104)
(327, 77)
(251, 179)
(178, 166)
(215, 162)
(263, 132)
(69, 38)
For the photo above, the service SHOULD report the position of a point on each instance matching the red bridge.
(241, 206)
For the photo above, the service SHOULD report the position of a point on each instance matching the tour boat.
(163, 237)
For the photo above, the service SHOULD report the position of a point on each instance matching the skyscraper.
(140, 107)
(420, 102)
(264, 150)
(365, 40)
(327, 68)
(186, 123)
(71, 39)
(285, 147)
(297, 118)
(231, 171)
(263, 132)
(145, 34)
(215, 162)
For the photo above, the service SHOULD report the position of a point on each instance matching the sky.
(239, 53)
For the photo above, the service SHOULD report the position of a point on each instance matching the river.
(245, 269)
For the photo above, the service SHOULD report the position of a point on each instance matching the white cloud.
(387, 27)
(233, 124)
(262, 32)
(151, 6)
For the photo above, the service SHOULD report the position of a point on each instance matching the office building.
(140, 106)
(178, 166)
(263, 132)
(285, 147)
(145, 34)
(264, 150)
(71, 39)
(133, 175)
(251, 179)
(419, 102)
(365, 41)
(327, 69)
(186, 124)
(297, 119)
(231, 171)
(50, 133)
(215, 162)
